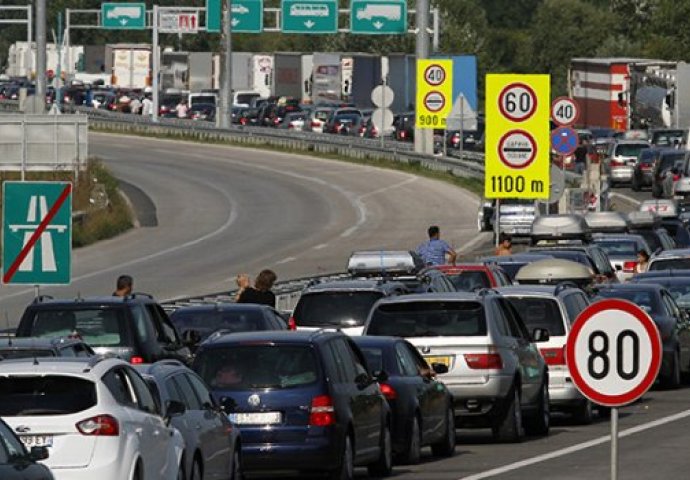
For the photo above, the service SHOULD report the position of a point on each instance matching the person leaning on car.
(433, 251)
(261, 291)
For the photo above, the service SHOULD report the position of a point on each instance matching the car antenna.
(33, 349)
(9, 337)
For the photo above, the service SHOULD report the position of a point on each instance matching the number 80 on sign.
(613, 352)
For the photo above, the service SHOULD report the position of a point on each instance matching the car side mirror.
(173, 408)
(540, 335)
(191, 338)
(363, 380)
(381, 376)
(38, 453)
(439, 368)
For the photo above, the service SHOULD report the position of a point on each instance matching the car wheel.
(583, 413)
(540, 422)
(414, 445)
(384, 465)
(446, 447)
(346, 470)
(236, 466)
(509, 428)
(672, 381)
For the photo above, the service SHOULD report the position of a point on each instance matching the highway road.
(224, 210)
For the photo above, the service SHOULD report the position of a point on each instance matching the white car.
(96, 416)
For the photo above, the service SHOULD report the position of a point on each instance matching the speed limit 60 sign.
(517, 136)
(434, 93)
(613, 352)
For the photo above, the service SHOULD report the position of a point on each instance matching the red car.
(472, 276)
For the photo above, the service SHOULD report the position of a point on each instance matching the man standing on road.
(124, 286)
(433, 252)
(181, 109)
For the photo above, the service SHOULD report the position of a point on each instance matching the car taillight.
(629, 267)
(362, 130)
(315, 124)
(484, 361)
(136, 360)
(292, 324)
(455, 139)
(553, 356)
(616, 163)
(276, 121)
(100, 425)
(403, 134)
(388, 391)
(243, 121)
(322, 412)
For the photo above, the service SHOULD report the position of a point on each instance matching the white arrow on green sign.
(124, 16)
(378, 17)
(309, 16)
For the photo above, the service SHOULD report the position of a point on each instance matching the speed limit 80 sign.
(613, 352)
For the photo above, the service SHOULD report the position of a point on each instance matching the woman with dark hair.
(261, 291)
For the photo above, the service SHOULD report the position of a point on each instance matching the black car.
(403, 126)
(202, 111)
(643, 173)
(671, 321)
(135, 327)
(196, 323)
(678, 286)
(13, 347)
(212, 442)
(343, 123)
(18, 464)
(670, 161)
(677, 230)
(303, 401)
(601, 264)
(422, 406)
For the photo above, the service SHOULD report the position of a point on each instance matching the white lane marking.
(286, 260)
(389, 187)
(577, 447)
(321, 246)
(628, 199)
(481, 237)
(175, 248)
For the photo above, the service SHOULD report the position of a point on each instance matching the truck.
(130, 65)
(389, 11)
(288, 75)
(366, 74)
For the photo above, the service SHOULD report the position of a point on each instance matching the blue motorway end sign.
(127, 16)
(309, 16)
(378, 17)
(36, 233)
(564, 140)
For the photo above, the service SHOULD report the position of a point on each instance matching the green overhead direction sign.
(125, 16)
(213, 15)
(309, 16)
(247, 16)
(36, 233)
(378, 17)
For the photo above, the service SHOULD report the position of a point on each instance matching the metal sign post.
(614, 443)
(156, 66)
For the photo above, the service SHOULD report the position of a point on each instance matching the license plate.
(262, 418)
(444, 360)
(36, 440)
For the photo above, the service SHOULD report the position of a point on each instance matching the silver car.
(622, 159)
(622, 250)
(496, 374)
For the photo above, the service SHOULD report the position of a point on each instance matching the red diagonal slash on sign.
(7, 277)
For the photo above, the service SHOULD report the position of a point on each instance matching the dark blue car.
(422, 406)
(304, 401)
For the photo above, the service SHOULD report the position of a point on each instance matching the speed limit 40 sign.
(564, 111)
(613, 352)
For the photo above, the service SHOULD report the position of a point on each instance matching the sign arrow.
(235, 22)
(378, 25)
(123, 21)
(309, 24)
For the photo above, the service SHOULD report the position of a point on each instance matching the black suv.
(135, 328)
(303, 401)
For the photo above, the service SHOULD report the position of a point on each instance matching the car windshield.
(469, 280)
(671, 160)
(540, 313)
(642, 298)
(620, 247)
(670, 264)
(339, 309)
(652, 239)
(45, 395)
(667, 138)
(7, 353)
(629, 149)
(248, 367)
(429, 319)
(208, 321)
(99, 327)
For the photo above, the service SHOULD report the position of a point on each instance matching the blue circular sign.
(564, 140)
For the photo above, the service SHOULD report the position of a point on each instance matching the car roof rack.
(42, 298)
(134, 295)
(564, 286)
(483, 292)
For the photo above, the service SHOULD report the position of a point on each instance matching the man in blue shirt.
(434, 251)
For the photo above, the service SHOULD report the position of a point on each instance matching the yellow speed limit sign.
(517, 140)
(434, 92)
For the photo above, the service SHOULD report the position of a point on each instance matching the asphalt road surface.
(222, 210)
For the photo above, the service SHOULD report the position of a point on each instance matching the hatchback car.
(554, 308)
(212, 442)
(670, 163)
(18, 463)
(621, 160)
(96, 416)
(13, 347)
(421, 405)
(496, 374)
(622, 250)
(554, 271)
(643, 173)
(469, 277)
(670, 260)
(511, 264)
(135, 328)
(303, 401)
(678, 286)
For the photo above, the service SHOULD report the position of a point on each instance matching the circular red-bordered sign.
(517, 102)
(613, 352)
(434, 101)
(434, 75)
(565, 111)
(517, 149)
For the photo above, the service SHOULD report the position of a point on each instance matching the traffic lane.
(477, 453)
(627, 200)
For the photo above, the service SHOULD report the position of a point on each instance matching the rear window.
(246, 98)
(667, 138)
(45, 395)
(630, 150)
(205, 323)
(335, 309)
(248, 367)
(469, 281)
(6, 354)
(645, 299)
(99, 327)
(671, 160)
(652, 239)
(429, 319)
(539, 313)
(374, 357)
(670, 263)
(619, 247)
